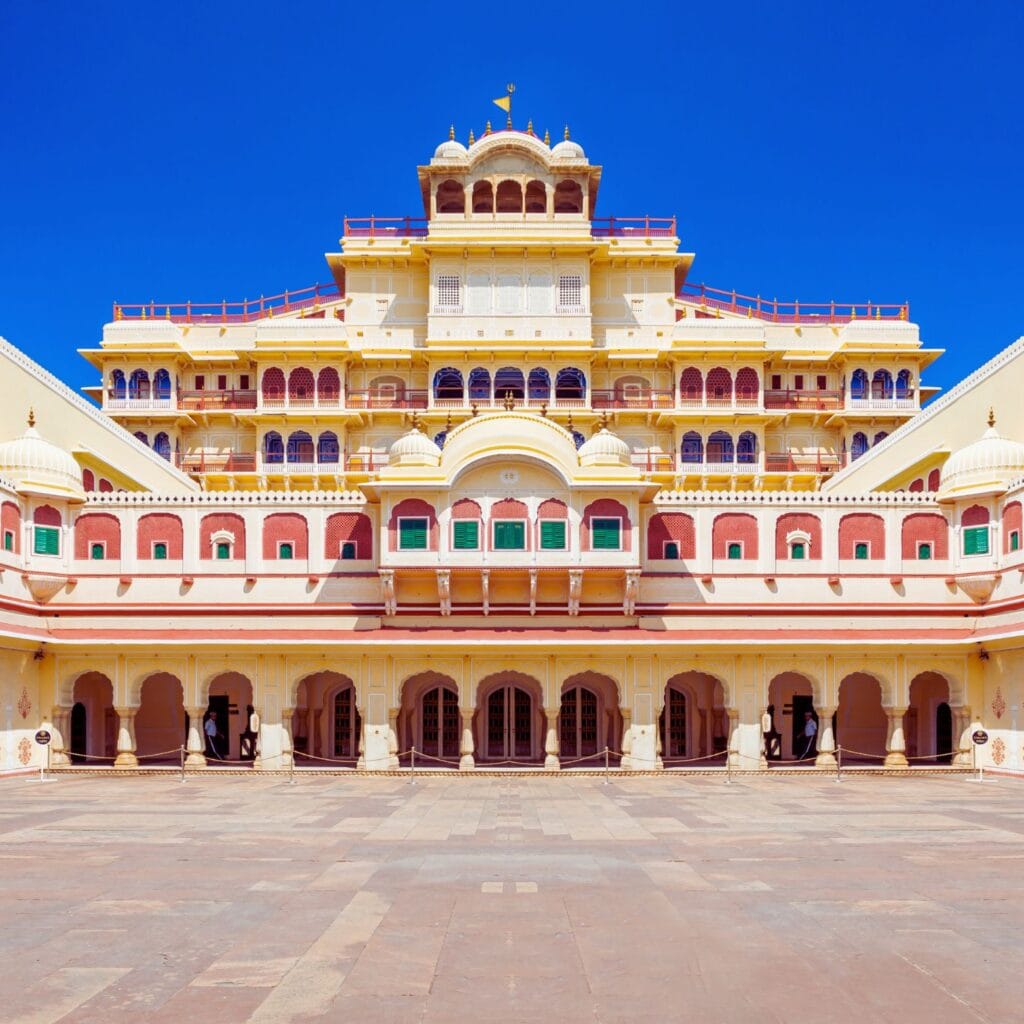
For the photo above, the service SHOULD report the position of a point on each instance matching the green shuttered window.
(509, 535)
(412, 534)
(976, 540)
(552, 535)
(47, 540)
(606, 534)
(160, 551)
(465, 535)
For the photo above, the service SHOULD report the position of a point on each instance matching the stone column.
(895, 743)
(962, 755)
(826, 739)
(466, 746)
(627, 736)
(61, 747)
(126, 738)
(310, 731)
(287, 743)
(733, 750)
(551, 741)
(393, 737)
(195, 745)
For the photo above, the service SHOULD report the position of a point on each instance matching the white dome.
(414, 449)
(604, 449)
(568, 151)
(35, 465)
(451, 150)
(985, 465)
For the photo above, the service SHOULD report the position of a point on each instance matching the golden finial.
(544, 409)
(474, 408)
(143, 312)
(448, 422)
(569, 423)
(903, 311)
(547, 137)
(451, 133)
(118, 314)
(567, 133)
(604, 419)
(270, 312)
(31, 417)
(991, 417)
(529, 127)
(415, 420)
(853, 312)
(167, 312)
(487, 128)
(472, 137)
(510, 402)
(878, 313)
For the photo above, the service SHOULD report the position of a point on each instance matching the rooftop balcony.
(716, 301)
(809, 400)
(216, 463)
(306, 302)
(817, 463)
(419, 227)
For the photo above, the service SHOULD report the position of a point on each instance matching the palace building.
(511, 489)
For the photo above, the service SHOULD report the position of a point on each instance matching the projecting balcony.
(766, 462)
(901, 403)
(803, 400)
(140, 403)
(206, 464)
(726, 402)
(510, 401)
(413, 398)
(640, 399)
(213, 400)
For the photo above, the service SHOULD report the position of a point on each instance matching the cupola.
(985, 466)
(414, 449)
(36, 466)
(604, 449)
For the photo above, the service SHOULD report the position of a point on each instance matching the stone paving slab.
(232, 898)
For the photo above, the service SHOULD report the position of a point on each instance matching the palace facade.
(510, 488)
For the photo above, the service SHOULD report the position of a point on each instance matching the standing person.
(768, 730)
(210, 728)
(251, 737)
(810, 734)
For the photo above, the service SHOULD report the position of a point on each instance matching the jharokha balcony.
(297, 464)
(749, 464)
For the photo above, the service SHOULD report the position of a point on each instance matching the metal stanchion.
(839, 762)
(291, 768)
(606, 765)
(412, 766)
(728, 767)
(181, 751)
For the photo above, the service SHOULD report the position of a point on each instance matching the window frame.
(1014, 541)
(42, 530)
(794, 545)
(570, 286)
(866, 546)
(402, 520)
(975, 533)
(455, 545)
(925, 545)
(541, 523)
(281, 546)
(594, 520)
(156, 545)
(97, 545)
(730, 546)
(354, 557)
(665, 545)
(447, 286)
(495, 523)
(8, 540)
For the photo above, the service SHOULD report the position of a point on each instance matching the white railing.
(883, 403)
(139, 403)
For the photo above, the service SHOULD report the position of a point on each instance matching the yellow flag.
(505, 102)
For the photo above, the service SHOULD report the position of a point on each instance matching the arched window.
(570, 384)
(440, 437)
(143, 437)
(162, 445)
(448, 385)
(577, 439)
(479, 385)
(509, 381)
(859, 384)
(300, 447)
(720, 447)
(327, 451)
(510, 197)
(301, 389)
(451, 197)
(538, 384)
(273, 449)
(719, 386)
(273, 386)
(859, 445)
(881, 384)
(568, 197)
(483, 197)
(746, 448)
(880, 436)
(118, 386)
(161, 384)
(691, 384)
(328, 386)
(138, 384)
(692, 449)
(536, 197)
(748, 385)
(903, 384)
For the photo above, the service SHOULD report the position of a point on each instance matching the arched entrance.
(861, 723)
(93, 725)
(511, 721)
(79, 732)
(327, 722)
(694, 722)
(161, 724)
(229, 698)
(792, 696)
(589, 719)
(928, 724)
(429, 717)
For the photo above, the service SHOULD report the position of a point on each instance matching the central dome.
(35, 465)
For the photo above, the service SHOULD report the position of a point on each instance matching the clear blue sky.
(812, 151)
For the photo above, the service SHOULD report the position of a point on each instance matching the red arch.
(509, 508)
(46, 515)
(606, 507)
(859, 527)
(10, 519)
(933, 480)
(287, 527)
(88, 480)
(1011, 522)
(466, 508)
(159, 528)
(927, 527)
(976, 515)
(671, 526)
(348, 526)
(94, 528)
(731, 528)
(210, 524)
(811, 525)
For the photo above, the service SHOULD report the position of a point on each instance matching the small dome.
(450, 149)
(35, 465)
(414, 449)
(986, 465)
(568, 151)
(604, 449)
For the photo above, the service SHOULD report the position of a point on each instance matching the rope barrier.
(327, 760)
(162, 753)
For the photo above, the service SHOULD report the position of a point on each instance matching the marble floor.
(231, 899)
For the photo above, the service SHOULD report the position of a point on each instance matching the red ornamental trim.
(24, 705)
(998, 704)
(998, 750)
(24, 751)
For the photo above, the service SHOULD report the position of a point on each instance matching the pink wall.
(606, 507)
(221, 521)
(928, 527)
(97, 527)
(10, 519)
(798, 521)
(976, 515)
(343, 526)
(669, 526)
(731, 528)
(859, 527)
(162, 527)
(287, 527)
(415, 507)
(1011, 521)
(46, 515)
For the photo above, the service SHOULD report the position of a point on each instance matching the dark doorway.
(943, 733)
(79, 733)
(802, 704)
(221, 705)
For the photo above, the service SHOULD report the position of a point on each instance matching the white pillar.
(126, 738)
(466, 746)
(826, 738)
(551, 741)
(895, 744)
(195, 744)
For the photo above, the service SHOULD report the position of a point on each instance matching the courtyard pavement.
(516, 900)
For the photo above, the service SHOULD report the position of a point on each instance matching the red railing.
(203, 462)
(803, 399)
(641, 227)
(640, 400)
(820, 462)
(365, 462)
(774, 462)
(411, 399)
(217, 399)
(791, 312)
(305, 300)
(386, 227)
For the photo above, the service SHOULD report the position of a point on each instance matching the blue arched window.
(143, 437)
(479, 385)
(692, 450)
(746, 448)
(138, 384)
(577, 439)
(859, 445)
(439, 438)
(859, 384)
(448, 385)
(327, 448)
(162, 445)
(300, 447)
(118, 385)
(509, 381)
(880, 436)
(539, 384)
(903, 385)
(881, 384)
(161, 384)
(720, 447)
(273, 449)
(570, 384)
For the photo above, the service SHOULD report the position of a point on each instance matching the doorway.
(79, 733)
(221, 706)
(439, 731)
(578, 723)
(801, 705)
(673, 724)
(943, 733)
(509, 724)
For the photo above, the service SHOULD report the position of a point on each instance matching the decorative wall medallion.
(24, 704)
(509, 476)
(998, 704)
(998, 751)
(25, 750)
